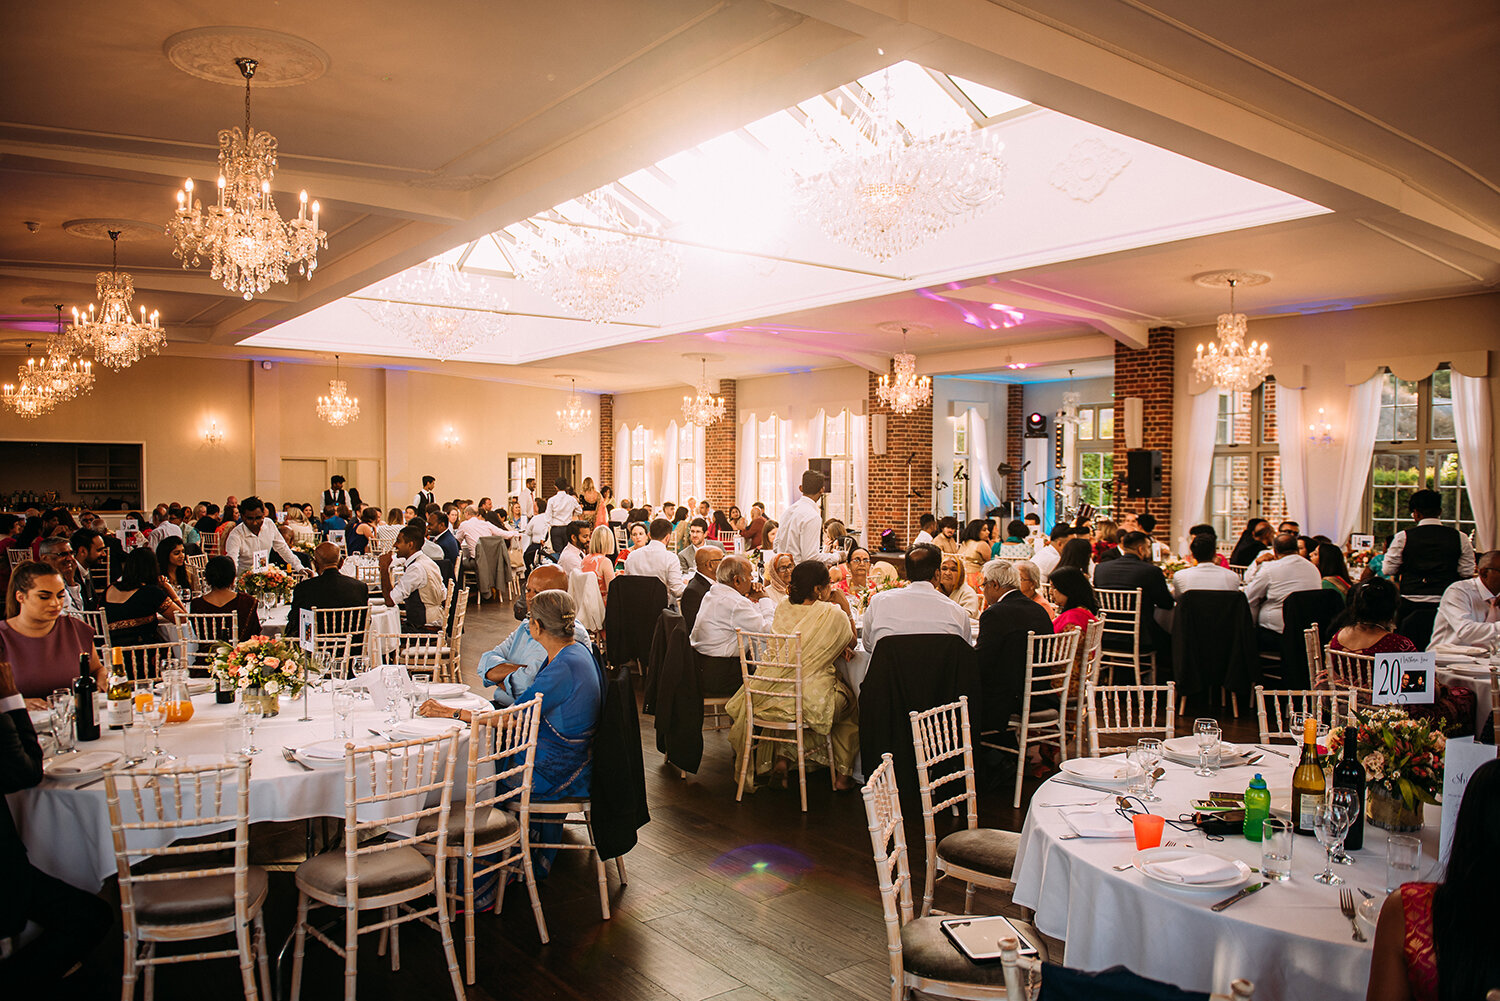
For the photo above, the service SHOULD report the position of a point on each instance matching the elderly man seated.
(511, 667)
(736, 601)
(919, 607)
(1469, 613)
(706, 563)
(57, 553)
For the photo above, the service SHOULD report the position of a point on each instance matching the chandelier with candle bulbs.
(69, 375)
(244, 236)
(903, 391)
(438, 309)
(338, 407)
(31, 395)
(574, 416)
(109, 332)
(703, 408)
(1228, 363)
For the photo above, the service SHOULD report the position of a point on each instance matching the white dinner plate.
(80, 766)
(446, 690)
(416, 729)
(1187, 747)
(1113, 770)
(322, 753)
(469, 701)
(1172, 854)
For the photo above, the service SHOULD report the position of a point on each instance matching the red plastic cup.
(1148, 827)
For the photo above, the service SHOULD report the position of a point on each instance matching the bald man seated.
(326, 588)
(706, 566)
(511, 667)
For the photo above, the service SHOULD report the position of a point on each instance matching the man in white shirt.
(161, 518)
(801, 532)
(256, 535)
(654, 559)
(1469, 613)
(563, 509)
(1270, 580)
(527, 497)
(736, 601)
(571, 557)
(1046, 557)
(916, 608)
(538, 531)
(1204, 574)
(420, 591)
(471, 530)
(927, 525)
(427, 495)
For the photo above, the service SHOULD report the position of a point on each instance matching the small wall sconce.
(1320, 432)
(450, 438)
(213, 437)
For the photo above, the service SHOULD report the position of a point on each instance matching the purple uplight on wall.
(29, 323)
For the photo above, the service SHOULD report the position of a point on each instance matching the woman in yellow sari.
(828, 706)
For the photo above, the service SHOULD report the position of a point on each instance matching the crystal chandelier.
(906, 391)
(573, 417)
(110, 333)
(31, 395)
(899, 189)
(437, 310)
(704, 408)
(338, 407)
(603, 269)
(1230, 365)
(69, 376)
(249, 243)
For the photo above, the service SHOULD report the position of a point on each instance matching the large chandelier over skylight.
(896, 189)
(245, 236)
(600, 265)
(703, 408)
(906, 391)
(574, 416)
(1229, 364)
(438, 310)
(338, 408)
(111, 334)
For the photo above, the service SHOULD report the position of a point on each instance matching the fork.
(1346, 904)
(286, 752)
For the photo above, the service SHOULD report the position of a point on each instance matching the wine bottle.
(1350, 774)
(1308, 785)
(84, 686)
(117, 712)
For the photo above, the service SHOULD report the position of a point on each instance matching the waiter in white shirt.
(255, 535)
(735, 601)
(420, 591)
(527, 499)
(916, 608)
(563, 509)
(427, 495)
(927, 524)
(654, 559)
(801, 532)
(1469, 613)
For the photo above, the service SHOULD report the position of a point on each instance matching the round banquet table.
(65, 824)
(1290, 938)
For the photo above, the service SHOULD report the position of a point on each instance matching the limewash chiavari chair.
(1130, 712)
(200, 896)
(919, 954)
(978, 855)
(338, 638)
(758, 652)
(1241, 571)
(1049, 666)
(146, 661)
(1344, 669)
(1121, 611)
(386, 786)
(1274, 709)
(96, 621)
(201, 631)
(1312, 642)
(1093, 652)
(198, 563)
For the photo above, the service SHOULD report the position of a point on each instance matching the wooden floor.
(731, 901)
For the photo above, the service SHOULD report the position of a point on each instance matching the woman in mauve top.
(40, 642)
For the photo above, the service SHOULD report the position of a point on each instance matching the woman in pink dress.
(600, 560)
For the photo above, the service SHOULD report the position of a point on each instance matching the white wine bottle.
(1308, 784)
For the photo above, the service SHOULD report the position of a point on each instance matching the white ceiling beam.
(1131, 333)
(1051, 350)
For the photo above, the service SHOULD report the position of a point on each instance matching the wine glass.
(1330, 823)
(60, 710)
(1207, 733)
(394, 679)
(343, 704)
(251, 712)
(154, 714)
(1148, 753)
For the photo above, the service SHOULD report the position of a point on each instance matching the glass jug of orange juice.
(179, 706)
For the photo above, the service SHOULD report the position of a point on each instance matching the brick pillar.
(720, 447)
(548, 470)
(906, 436)
(1147, 374)
(607, 442)
(1015, 428)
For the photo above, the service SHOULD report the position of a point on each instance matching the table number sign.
(260, 560)
(1403, 678)
(1361, 543)
(128, 525)
(336, 536)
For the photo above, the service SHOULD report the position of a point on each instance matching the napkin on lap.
(85, 761)
(1194, 869)
(1097, 822)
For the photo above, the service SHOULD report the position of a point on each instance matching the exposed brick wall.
(607, 442)
(905, 435)
(1015, 426)
(1147, 374)
(720, 444)
(548, 470)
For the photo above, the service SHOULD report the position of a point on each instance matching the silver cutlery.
(1236, 898)
(288, 754)
(1274, 751)
(1092, 802)
(1346, 904)
(1367, 894)
(1122, 868)
(1112, 790)
(1253, 759)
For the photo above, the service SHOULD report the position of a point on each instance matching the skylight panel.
(988, 100)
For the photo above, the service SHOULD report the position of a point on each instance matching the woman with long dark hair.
(171, 559)
(1371, 621)
(1078, 554)
(1329, 559)
(1248, 547)
(133, 603)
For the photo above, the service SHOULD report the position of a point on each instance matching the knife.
(1112, 790)
(1237, 897)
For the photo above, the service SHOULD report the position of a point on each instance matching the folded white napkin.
(84, 761)
(1188, 747)
(1194, 869)
(1113, 768)
(1097, 822)
(412, 729)
(329, 750)
(1455, 650)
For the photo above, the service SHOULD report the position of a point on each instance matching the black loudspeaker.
(824, 466)
(1143, 468)
(1036, 426)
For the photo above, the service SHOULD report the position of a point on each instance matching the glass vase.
(270, 705)
(1385, 810)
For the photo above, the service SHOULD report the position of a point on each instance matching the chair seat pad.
(984, 849)
(927, 952)
(196, 899)
(490, 825)
(380, 873)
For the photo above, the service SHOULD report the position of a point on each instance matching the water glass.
(1330, 823)
(234, 738)
(1403, 857)
(1276, 841)
(133, 741)
(1148, 750)
(343, 705)
(250, 715)
(1208, 749)
(60, 713)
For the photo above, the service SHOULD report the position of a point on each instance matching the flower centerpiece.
(1360, 558)
(304, 547)
(1170, 567)
(1403, 759)
(270, 586)
(263, 668)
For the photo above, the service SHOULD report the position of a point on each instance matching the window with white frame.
(640, 448)
(1245, 478)
(961, 467)
(1096, 454)
(838, 444)
(522, 468)
(1415, 449)
(689, 436)
(768, 473)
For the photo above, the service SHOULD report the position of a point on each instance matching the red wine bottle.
(85, 722)
(1350, 774)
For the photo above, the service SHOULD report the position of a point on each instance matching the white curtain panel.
(982, 495)
(859, 456)
(668, 489)
(785, 436)
(1193, 466)
(744, 485)
(1359, 449)
(700, 456)
(1292, 444)
(1476, 451)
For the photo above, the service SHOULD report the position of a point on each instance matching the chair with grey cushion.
(920, 955)
(982, 856)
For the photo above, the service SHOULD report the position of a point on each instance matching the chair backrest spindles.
(1130, 712)
(1274, 709)
(1345, 669)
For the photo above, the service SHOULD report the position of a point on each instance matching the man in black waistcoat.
(1423, 560)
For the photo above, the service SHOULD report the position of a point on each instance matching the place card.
(305, 628)
(1403, 678)
(260, 560)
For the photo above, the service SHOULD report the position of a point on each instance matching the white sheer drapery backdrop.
(982, 495)
(1359, 449)
(700, 457)
(747, 464)
(1194, 466)
(666, 483)
(622, 465)
(1474, 429)
(785, 437)
(859, 452)
(1292, 444)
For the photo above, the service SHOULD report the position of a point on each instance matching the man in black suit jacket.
(71, 920)
(338, 497)
(1132, 570)
(328, 588)
(707, 560)
(89, 550)
(1002, 645)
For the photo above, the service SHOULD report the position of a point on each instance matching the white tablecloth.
(1289, 938)
(66, 829)
(384, 619)
(1476, 678)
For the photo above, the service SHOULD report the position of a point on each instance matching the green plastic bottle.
(1257, 807)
